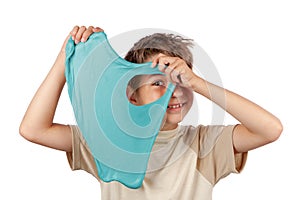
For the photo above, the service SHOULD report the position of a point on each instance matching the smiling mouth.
(174, 106)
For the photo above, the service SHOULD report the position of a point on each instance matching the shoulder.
(208, 136)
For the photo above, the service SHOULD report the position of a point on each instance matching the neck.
(167, 127)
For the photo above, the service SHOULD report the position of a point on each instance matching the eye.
(158, 83)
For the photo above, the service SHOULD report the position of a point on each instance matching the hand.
(81, 34)
(176, 70)
(78, 34)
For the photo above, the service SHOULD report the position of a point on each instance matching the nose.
(177, 92)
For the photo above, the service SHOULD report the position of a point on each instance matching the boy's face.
(152, 87)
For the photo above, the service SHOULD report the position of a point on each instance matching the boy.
(187, 161)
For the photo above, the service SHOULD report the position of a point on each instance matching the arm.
(258, 127)
(37, 125)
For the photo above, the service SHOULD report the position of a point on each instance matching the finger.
(176, 69)
(175, 76)
(154, 64)
(162, 67)
(164, 63)
(174, 63)
(74, 31)
(156, 59)
(168, 72)
(86, 34)
(172, 72)
(97, 29)
(79, 34)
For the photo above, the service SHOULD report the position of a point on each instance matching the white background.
(255, 46)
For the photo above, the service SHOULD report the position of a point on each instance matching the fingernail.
(82, 39)
(154, 64)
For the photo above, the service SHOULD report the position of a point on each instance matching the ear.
(131, 95)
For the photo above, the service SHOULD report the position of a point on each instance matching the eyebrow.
(153, 75)
(150, 78)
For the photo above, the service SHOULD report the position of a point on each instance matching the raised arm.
(258, 126)
(37, 125)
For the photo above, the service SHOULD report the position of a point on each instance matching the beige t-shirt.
(185, 164)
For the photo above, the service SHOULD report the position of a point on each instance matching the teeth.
(175, 106)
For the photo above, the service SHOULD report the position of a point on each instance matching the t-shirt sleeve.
(81, 158)
(217, 153)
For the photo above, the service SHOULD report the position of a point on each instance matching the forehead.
(154, 56)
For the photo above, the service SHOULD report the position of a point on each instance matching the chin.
(174, 121)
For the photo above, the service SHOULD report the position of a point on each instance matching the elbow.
(26, 133)
(275, 132)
